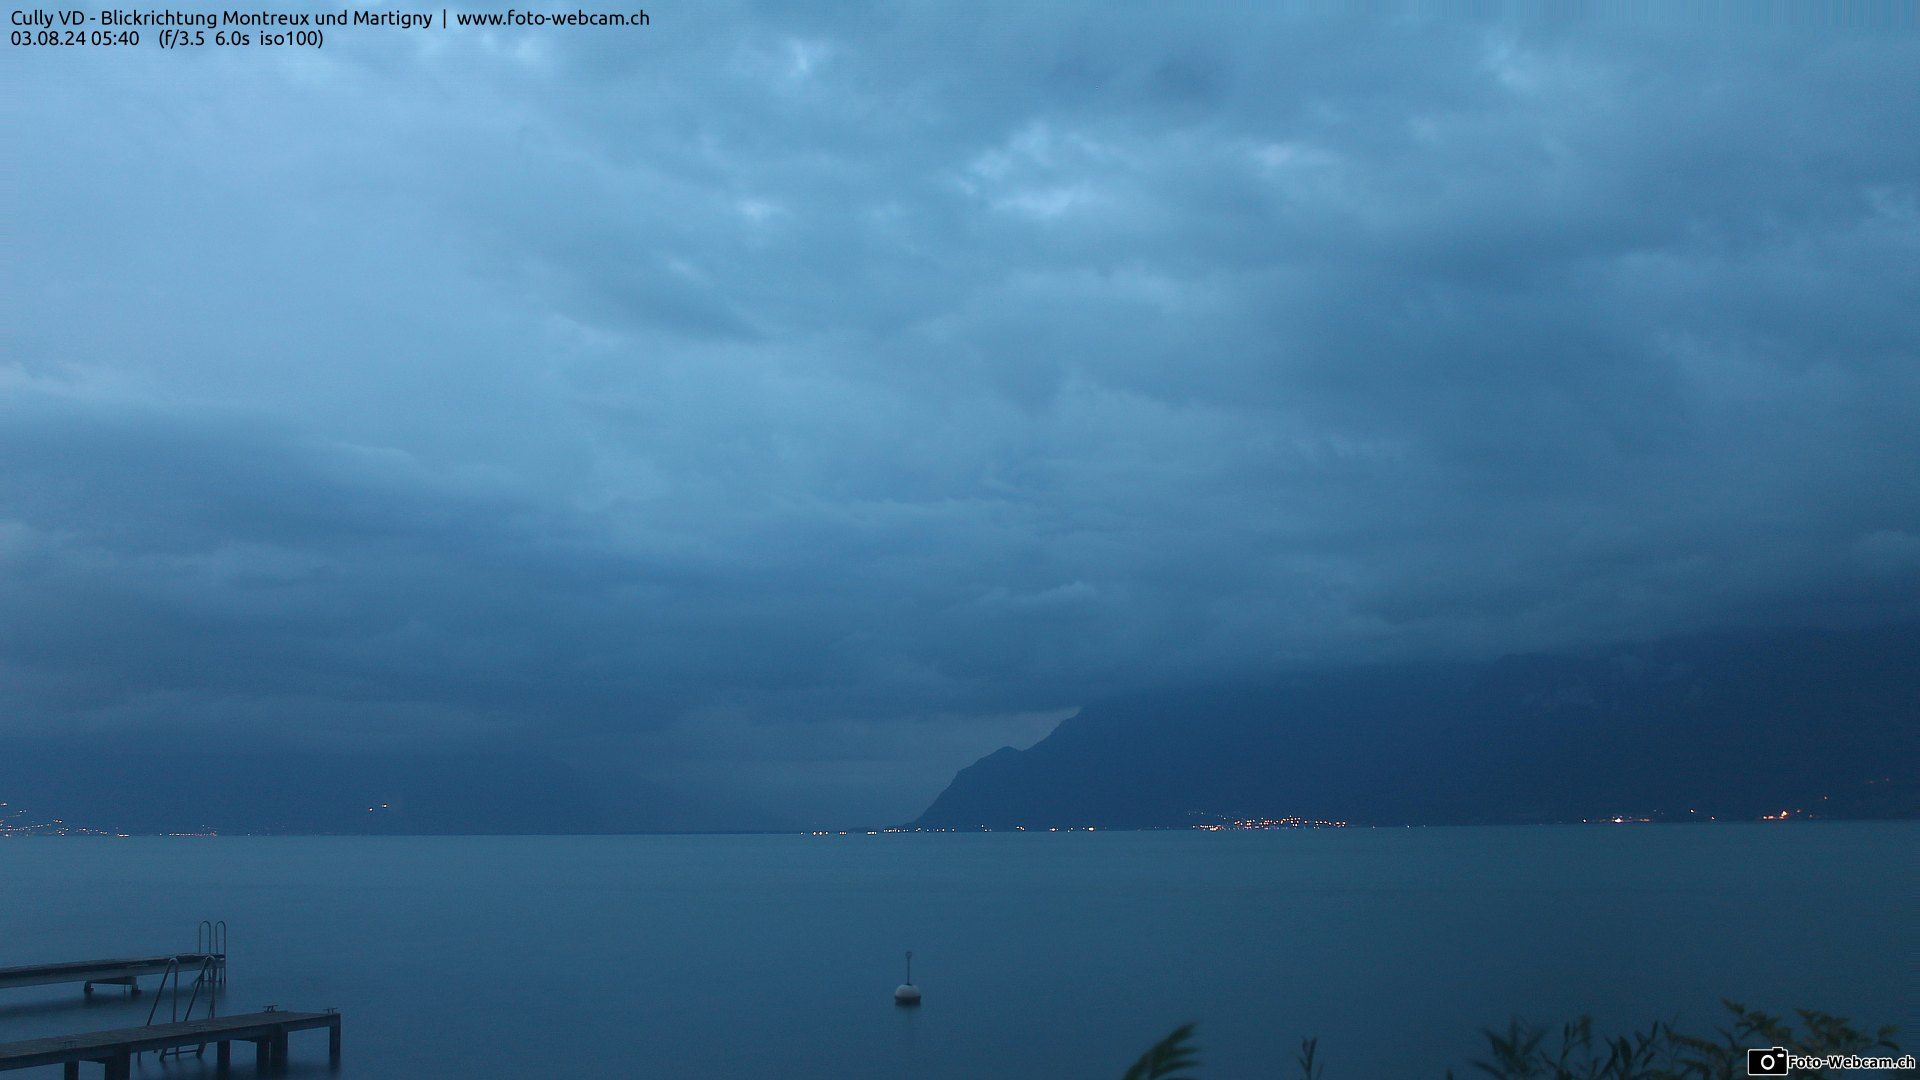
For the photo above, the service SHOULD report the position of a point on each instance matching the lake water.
(1041, 955)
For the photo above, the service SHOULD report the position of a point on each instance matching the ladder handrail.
(210, 939)
(173, 969)
(210, 945)
(203, 977)
(206, 970)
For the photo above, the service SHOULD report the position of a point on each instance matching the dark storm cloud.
(775, 411)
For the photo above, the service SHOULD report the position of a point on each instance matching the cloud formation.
(774, 410)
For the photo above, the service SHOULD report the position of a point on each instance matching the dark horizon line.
(84, 833)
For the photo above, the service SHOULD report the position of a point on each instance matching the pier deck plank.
(120, 1042)
(101, 970)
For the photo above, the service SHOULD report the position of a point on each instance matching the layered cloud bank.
(763, 416)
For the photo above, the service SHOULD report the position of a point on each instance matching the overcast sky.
(779, 409)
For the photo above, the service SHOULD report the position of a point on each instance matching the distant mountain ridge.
(1730, 726)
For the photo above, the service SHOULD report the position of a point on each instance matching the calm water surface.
(1042, 955)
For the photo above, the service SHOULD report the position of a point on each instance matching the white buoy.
(907, 993)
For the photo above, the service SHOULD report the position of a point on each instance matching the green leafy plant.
(1664, 1053)
(1526, 1052)
(1522, 1053)
(1726, 1057)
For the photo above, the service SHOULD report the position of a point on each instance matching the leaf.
(1168, 1059)
(1310, 1067)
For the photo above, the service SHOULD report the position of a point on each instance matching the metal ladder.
(210, 938)
(210, 942)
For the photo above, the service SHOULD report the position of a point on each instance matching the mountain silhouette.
(1726, 726)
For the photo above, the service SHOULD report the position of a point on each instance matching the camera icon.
(1769, 1062)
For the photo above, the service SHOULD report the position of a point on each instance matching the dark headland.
(1729, 726)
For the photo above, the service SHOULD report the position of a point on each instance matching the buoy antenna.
(907, 993)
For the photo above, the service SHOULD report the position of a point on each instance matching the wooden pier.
(267, 1031)
(117, 972)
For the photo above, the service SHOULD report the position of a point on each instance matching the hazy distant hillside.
(1731, 726)
(150, 785)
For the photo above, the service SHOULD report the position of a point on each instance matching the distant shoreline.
(100, 834)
